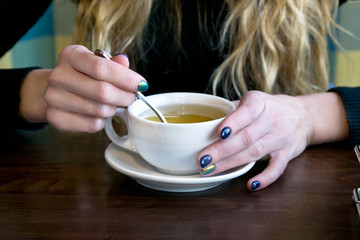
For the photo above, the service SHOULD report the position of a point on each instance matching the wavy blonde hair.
(273, 46)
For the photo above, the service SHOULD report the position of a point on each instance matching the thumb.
(271, 173)
(122, 59)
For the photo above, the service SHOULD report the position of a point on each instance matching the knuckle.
(99, 68)
(102, 92)
(66, 52)
(253, 112)
(246, 138)
(102, 110)
(54, 76)
(97, 109)
(70, 50)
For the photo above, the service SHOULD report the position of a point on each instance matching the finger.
(73, 122)
(235, 160)
(70, 102)
(122, 59)
(256, 151)
(99, 91)
(246, 140)
(99, 68)
(271, 173)
(249, 111)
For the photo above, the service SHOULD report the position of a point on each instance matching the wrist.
(326, 113)
(32, 101)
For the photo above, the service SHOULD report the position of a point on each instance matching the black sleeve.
(351, 99)
(16, 18)
(11, 81)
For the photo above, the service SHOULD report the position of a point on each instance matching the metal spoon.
(101, 53)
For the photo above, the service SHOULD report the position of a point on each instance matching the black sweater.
(16, 19)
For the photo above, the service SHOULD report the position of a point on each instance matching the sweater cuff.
(351, 99)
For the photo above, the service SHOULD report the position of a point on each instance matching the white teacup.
(171, 147)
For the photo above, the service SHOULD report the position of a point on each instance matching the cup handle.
(121, 141)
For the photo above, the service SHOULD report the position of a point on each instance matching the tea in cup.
(172, 147)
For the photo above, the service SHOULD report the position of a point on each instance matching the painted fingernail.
(225, 132)
(207, 170)
(205, 161)
(124, 54)
(143, 86)
(255, 185)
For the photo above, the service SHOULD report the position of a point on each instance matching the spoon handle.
(156, 111)
(101, 53)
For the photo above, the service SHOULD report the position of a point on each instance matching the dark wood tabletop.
(56, 185)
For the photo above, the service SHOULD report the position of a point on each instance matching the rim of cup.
(229, 108)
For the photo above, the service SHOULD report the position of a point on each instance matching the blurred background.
(41, 45)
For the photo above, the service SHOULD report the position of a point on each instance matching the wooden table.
(56, 185)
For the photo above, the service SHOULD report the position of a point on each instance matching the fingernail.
(255, 185)
(205, 161)
(122, 54)
(207, 170)
(225, 132)
(143, 86)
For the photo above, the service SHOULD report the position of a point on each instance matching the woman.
(225, 48)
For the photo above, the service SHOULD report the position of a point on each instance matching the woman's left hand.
(274, 125)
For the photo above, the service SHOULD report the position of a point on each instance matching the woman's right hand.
(84, 89)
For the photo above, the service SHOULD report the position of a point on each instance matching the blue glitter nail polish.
(143, 86)
(124, 54)
(207, 170)
(225, 132)
(255, 185)
(205, 161)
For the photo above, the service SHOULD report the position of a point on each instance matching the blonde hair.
(273, 46)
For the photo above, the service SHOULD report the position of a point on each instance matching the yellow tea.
(188, 113)
(182, 118)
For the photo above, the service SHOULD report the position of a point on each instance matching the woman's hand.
(277, 126)
(84, 89)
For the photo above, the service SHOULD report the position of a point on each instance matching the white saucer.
(134, 166)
